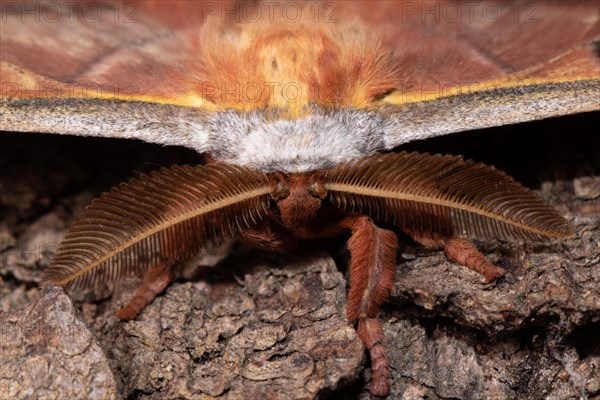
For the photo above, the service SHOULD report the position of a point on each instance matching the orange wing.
(159, 71)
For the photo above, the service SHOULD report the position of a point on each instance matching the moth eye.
(282, 190)
(316, 187)
(280, 187)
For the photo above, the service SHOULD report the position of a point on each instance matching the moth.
(300, 108)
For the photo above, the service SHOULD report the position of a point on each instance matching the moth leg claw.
(155, 281)
(461, 251)
(371, 333)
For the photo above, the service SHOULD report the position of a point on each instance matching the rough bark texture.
(49, 353)
(259, 325)
(272, 331)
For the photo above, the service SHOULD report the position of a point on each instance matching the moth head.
(297, 196)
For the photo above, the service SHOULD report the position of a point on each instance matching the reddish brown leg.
(459, 250)
(372, 266)
(155, 281)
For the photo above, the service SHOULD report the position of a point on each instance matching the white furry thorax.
(318, 141)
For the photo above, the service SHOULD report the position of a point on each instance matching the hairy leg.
(155, 281)
(372, 267)
(459, 250)
(267, 236)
